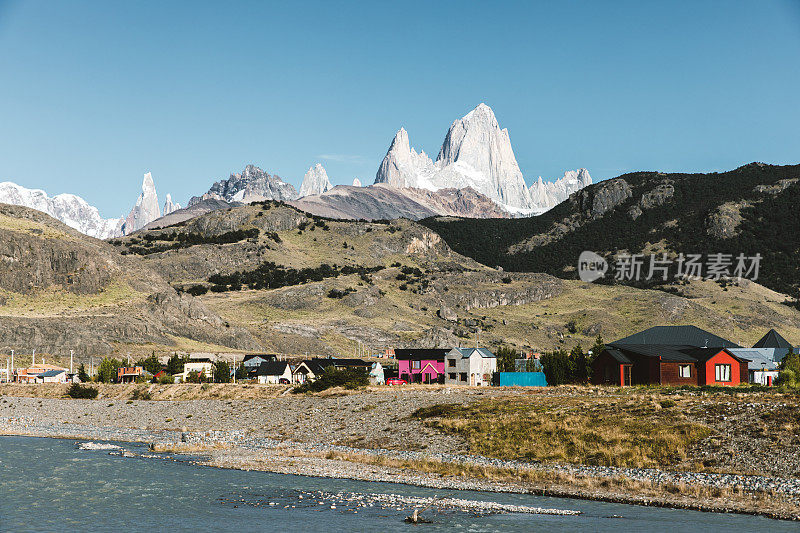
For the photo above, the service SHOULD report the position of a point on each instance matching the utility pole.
(70, 361)
(34, 358)
(12, 360)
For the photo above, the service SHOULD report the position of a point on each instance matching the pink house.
(424, 365)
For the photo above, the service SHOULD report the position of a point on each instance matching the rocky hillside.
(751, 210)
(304, 284)
(62, 290)
(380, 202)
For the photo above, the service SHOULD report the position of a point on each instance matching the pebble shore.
(309, 435)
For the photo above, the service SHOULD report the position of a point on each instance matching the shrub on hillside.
(349, 378)
(78, 391)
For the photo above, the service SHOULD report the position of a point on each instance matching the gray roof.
(772, 339)
(51, 373)
(467, 352)
(757, 358)
(677, 336)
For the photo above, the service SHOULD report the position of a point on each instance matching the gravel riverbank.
(360, 436)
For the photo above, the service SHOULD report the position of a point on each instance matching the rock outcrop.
(477, 154)
(548, 194)
(146, 209)
(170, 206)
(315, 181)
(251, 185)
(72, 210)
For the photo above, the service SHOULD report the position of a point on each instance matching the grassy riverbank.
(683, 448)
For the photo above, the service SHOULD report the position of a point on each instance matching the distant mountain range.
(475, 175)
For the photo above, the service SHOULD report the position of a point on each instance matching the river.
(56, 485)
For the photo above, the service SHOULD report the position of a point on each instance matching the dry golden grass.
(608, 431)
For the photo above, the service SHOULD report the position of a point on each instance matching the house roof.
(704, 354)
(618, 356)
(51, 373)
(757, 358)
(772, 339)
(677, 336)
(264, 356)
(319, 364)
(467, 352)
(418, 354)
(666, 352)
(272, 368)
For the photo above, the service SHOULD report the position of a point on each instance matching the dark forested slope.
(752, 209)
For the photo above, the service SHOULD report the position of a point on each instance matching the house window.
(463, 376)
(722, 372)
(451, 363)
(685, 371)
(451, 375)
(415, 365)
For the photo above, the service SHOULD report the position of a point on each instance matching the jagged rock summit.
(169, 206)
(251, 185)
(548, 194)
(476, 153)
(72, 210)
(146, 209)
(315, 181)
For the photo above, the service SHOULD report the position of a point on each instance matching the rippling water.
(54, 485)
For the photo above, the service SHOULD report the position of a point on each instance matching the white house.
(273, 372)
(469, 366)
(54, 376)
(203, 365)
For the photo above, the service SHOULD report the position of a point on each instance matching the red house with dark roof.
(635, 361)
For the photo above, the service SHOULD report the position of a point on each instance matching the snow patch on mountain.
(315, 181)
(356, 182)
(72, 210)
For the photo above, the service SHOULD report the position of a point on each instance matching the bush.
(78, 391)
(166, 379)
(349, 378)
(140, 394)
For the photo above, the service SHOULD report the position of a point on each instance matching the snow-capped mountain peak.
(170, 206)
(315, 181)
(70, 209)
(146, 209)
(476, 153)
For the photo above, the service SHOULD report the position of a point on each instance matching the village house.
(470, 366)
(200, 364)
(273, 372)
(670, 355)
(311, 369)
(421, 365)
(253, 360)
(129, 374)
(54, 376)
(35, 374)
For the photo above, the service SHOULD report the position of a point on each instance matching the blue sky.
(97, 93)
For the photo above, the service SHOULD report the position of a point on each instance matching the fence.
(519, 379)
